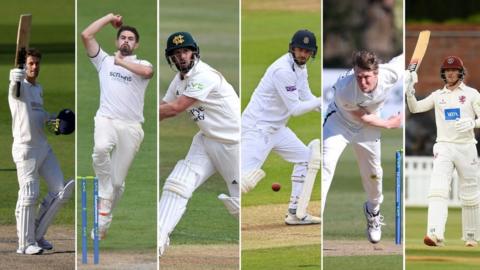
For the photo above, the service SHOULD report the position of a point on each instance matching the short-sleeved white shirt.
(283, 86)
(349, 97)
(122, 92)
(450, 105)
(28, 115)
(217, 110)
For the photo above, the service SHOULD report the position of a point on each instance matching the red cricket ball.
(276, 187)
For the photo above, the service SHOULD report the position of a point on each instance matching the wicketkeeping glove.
(464, 125)
(17, 75)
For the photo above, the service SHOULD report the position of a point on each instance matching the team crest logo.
(306, 40)
(450, 60)
(177, 40)
(462, 99)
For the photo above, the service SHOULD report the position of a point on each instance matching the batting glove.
(464, 125)
(17, 75)
(410, 80)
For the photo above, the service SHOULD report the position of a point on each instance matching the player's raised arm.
(88, 34)
(414, 105)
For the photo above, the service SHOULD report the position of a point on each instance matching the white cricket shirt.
(283, 86)
(28, 115)
(122, 92)
(348, 96)
(217, 110)
(450, 105)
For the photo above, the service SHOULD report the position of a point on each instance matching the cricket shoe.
(292, 219)
(104, 222)
(433, 241)
(102, 233)
(163, 247)
(374, 225)
(31, 250)
(471, 243)
(44, 244)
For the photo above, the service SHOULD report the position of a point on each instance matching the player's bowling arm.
(374, 120)
(171, 109)
(88, 34)
(139, 69)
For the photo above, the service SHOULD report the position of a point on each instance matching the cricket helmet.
(452, 62)
(180, 40)
(304, 39)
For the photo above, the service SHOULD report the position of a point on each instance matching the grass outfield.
(135, 215)
(214, 25)
(54, 36)
(453, 256)
(296, 257)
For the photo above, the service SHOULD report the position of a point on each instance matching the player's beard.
(300, 61)
(184, 66)
(125, 50)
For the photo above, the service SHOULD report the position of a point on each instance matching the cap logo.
(450, 60)
(177, 40)
(306, 40)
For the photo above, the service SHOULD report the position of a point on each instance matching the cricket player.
(282, 92)
(118, 122)
(33, 158)
(214, 106)
(354, 118)
(457, 111)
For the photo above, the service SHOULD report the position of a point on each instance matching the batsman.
(457, 111)
(34, 157)
(283, 92)
(214, 107)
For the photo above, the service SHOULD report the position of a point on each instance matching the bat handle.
(17, 93)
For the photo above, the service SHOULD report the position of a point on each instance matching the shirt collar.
(460, 87)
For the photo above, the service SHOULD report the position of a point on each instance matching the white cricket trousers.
(447, 158)
(367, 147)
(116, 144)
(257, 145)
(205, 157)
(31, 163)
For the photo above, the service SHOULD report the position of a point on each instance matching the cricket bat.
(419, 52)
(23, 37)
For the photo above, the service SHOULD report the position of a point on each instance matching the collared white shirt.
(348, 96)
(282, 88)
(122, 92)
(28, 115)
(217, 110)
(450, 105)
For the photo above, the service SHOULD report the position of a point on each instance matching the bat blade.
(419, 52)
(23, 38)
